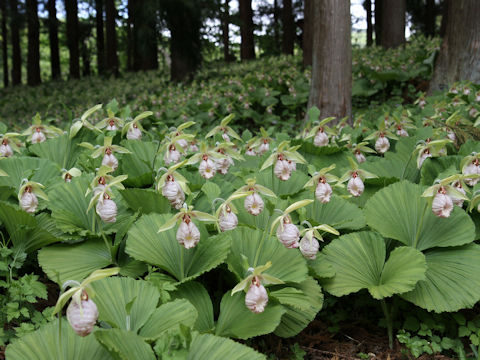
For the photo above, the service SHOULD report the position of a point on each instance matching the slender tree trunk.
(53, 37)
(459, 57)
(331, 87)
(445, 11)
(307, 38)
(111, 15)
(145, 55)
(130, 40)
(393, 15)
(85, 53)
(16, 53)
(288, 28)
(225, 31)
(33, 57)
(430, 16)
(71, 8)
(378, 22)
(247, 47)
(276, 27)
(3, 9)
(100, 38)
(367, 4)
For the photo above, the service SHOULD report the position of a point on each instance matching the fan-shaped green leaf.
(19, 168)
(124, 345)
(112, 296)
(208, 347)
(140, 163)
(431, 168)
(146, 201)
(359, 263)
(60, 150)
(288, 265)
(235, 320)
(279, 187)
(169, 316)
(399, 212)
(199, 297)
(452, 280)
(45, 344)
(163, 250)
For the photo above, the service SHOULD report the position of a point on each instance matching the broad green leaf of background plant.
(163, 250)
(124, 345)
(167, 317)
(359, 263)
(208, 347)
(282, 188)
(399, 212)
(18, 168)
(452, 280)
(60, 150)
(288, 265)
(140, 163)
(146, 201)
(431, 168)
(45, 344)
(112, 296)
(236, 321)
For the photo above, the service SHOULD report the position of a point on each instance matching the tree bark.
(225, 31)
(130, 41)
(378, 22)
(307, 38)
(247, 47)
(430, 15)
(16, 53)
(459, 57)
(100, 37)
(288, 28)
(144, 20)
(33, 56)
(71, 8)
(3, 9)
(393, 15)
(53, 37)
(112, 58)
(276, 27)
(367, 4)
(445, 10)
(331, 86)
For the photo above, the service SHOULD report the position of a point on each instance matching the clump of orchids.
(382, 144)
(133, 128)
(320, 182)
(82, 312)
(285, 159)
(355, 177)
(107, 150)
(173, 185)
(188, 234)
(28, 195)
(38, 132)
(253, 201)
(256, 297)
(8, 144)
(445, 193)
(176, 143)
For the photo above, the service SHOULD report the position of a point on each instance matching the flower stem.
(389, 321)
(182, 271)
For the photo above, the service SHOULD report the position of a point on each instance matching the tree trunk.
(100, 38)
(3, 9)
(331, 86)
(459, 57)
(71, 8)
(130, 41)
(144, 19)
(367, 4)
(247, 47)
(430, 16)
(307, 38)
(443, 25)
(16, 53)
(288, 28)
(378, 22)
(276, 27)
(393, 15)
(225, 31)
(53, 37)
(112, 58)
(33, 56)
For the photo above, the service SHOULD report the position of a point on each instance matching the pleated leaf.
(60, 150)
(146, 201)
(399, 212)
(452, 280)
(45, 344)
(139, 164)
(168, 316)
(359, 263)
(124, 345)
(19, 168)
(279, 187)
(163, 250)
(112, 296)
(208, 347)
(288, 265)
(236, 321)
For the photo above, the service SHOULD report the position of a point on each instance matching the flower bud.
(256, 298)
(282, 170)
(227, 220)
(253, 204)
(382, 145)
(107, 209)
(321, 139)
(188, 234)
(323, 192)
(288, 234)
(355, 185)
(206, 168)
(29, 201)
(172, 156)
(442, 205)
(110, 160)
(82, 320)
(134, 133)
(309, 248)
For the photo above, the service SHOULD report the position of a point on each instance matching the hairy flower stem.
(389, 320)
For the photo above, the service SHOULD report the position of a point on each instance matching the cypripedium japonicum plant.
(28, 193)
(443, 194)
(253, 201)
(382, 144)
(359, 150)
(309, 244)
(355, 178)
(38, 132)
(134, 128)
(107, 150)
(224, 130)
(111, 122)
(106, 208)
(77, 125)
(173, 185)
(285, 159)
(430, 148)
(68, 175)
(320, 183)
